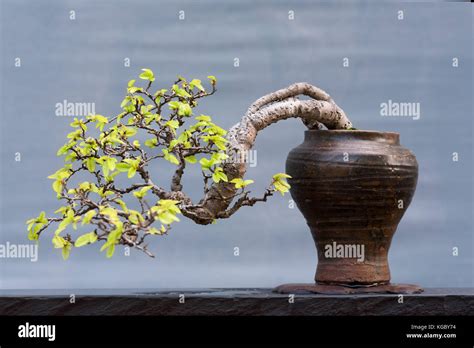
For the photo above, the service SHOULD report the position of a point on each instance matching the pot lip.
(351, 131)
(391, 138)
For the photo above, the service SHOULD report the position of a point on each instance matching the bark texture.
(316, 111)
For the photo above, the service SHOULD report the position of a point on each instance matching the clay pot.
(353, 187)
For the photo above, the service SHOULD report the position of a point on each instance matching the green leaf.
(65, 148)
(122, 205)
(206, 164)
(219, 175)
(66, 251)
(196, 83)
(167, 218)
(280, 184)
(41, 219)
(180, 92)
(125, 102)
(111, 213)
(75, 135)
(147, 74)
(183, 137)
(219, 157)
(85, 239)
(67, 220)
(139, 99)
(122, 167)
(88, 217)
(212, 79)
(151, 143)
(219, 141)
(62, 210)
(280, 187)
(166, 211)
(169, 204)
(184, 110)
(240, 183)
(59, 242)
(134, 163)
(35, 224)
(132, 90)
(79, 123)
(85, 186)
(173, 143)
(106, 245)
(108, 164)
(280, 176)
(153, 230)
(90, 164)
(204, 118)
(135, 217)
(110, 251)
(62, 173)
(100, 120)
(115, 235)
(142, 192)
(220, 145)
(190, 159)
(145, 110)
(129, 131)
(58, 186)
(214, 130)
(33, 235)
(160, 93)
(174, 124)
(170, 157)
(152, 117)
(131, 172)
(181, 78)
(173, 105)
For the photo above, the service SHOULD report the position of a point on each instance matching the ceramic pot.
(352, 187)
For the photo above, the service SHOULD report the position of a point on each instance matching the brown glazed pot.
(352, 187)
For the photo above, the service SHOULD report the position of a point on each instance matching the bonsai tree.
(104, 148)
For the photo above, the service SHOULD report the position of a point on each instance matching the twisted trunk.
(269, 109)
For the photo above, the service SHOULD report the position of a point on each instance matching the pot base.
(347, 290)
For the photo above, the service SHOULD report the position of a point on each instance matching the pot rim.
(353, 131)
(392, 138)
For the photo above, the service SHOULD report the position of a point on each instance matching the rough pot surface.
(352, 187)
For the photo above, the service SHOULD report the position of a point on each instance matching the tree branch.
(269, 109)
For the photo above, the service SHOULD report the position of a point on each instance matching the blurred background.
(85, 60)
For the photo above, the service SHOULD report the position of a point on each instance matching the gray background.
(82, 60)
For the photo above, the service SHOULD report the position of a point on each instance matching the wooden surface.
(455, 301)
